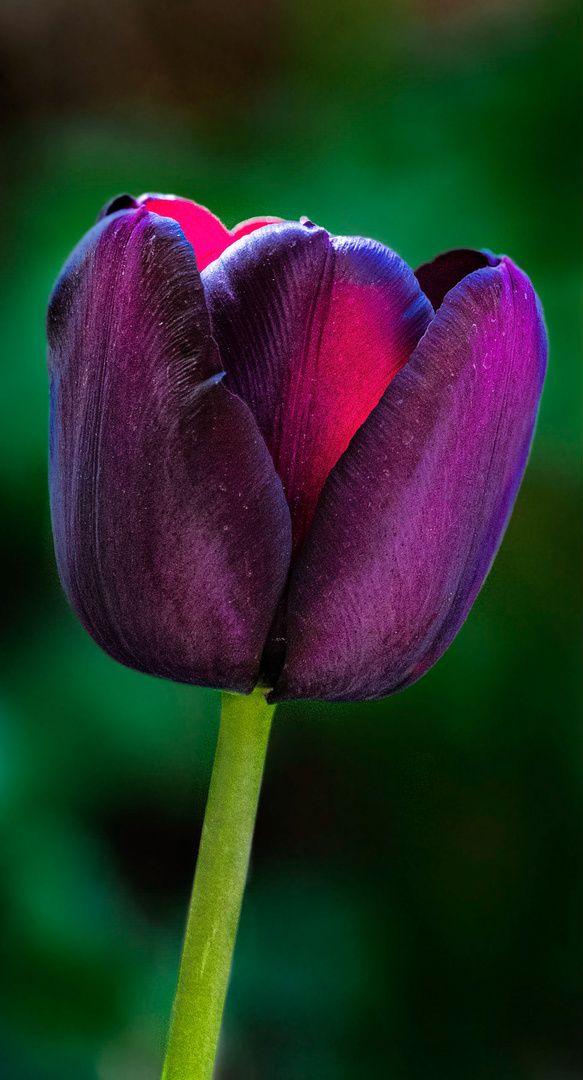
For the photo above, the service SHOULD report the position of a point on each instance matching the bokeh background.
(414, 901)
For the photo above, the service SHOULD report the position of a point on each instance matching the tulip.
(278, 458)
(293, 464)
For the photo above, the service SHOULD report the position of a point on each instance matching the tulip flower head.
(278, 455)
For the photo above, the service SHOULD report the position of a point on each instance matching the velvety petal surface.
(311, 329)
(171, 528)
(411, 516)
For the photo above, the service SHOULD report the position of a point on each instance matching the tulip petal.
(171, 529)
(202, 228)
(208, 235)
(119, 202)
(251, 225)
(311, 330)
(412, 515)
(440, 275)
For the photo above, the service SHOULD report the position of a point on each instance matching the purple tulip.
(281, 455)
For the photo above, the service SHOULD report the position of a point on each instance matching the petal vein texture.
(171, 529)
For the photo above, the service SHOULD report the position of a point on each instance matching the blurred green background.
(414, 901)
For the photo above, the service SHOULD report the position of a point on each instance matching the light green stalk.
(219, 882)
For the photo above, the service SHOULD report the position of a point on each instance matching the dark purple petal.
(311, 330)
(171, 528)
(412, 515)
(440, 275)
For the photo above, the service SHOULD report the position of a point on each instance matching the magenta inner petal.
(311, 330)
(251, 225)
(203, 230)
(352, 353)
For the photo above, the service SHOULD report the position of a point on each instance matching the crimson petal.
(203, 229)
(311, 329)
(171, 528)
(250, 225)
(412, 515)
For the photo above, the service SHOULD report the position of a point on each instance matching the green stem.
(219, 882)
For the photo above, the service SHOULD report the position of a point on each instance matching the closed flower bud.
(278, 455)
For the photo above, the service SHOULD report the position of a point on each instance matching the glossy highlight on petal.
(311, 330)
(412, 515)
(171, 529)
